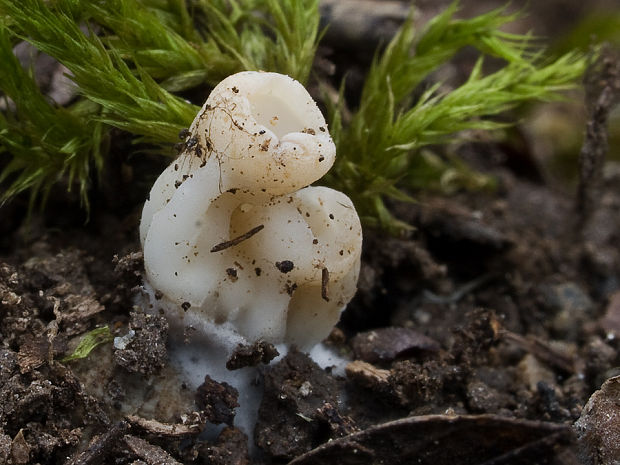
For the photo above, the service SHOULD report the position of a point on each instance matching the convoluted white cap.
(230, 231)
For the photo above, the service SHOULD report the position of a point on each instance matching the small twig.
(542, 350)
(237, 240)
(602, 84)
(324, 283)
(165, 429)
(101, 446)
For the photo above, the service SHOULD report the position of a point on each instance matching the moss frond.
(379, 148)
(270, 35)
(130, 100)
(45, 142)
(165, 44)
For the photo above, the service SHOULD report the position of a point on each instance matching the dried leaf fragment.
(598, 426)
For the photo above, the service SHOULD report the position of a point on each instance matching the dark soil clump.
(145, 349)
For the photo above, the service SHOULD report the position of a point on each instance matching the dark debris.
(217, 400)
(230, 448)
(149, 453)
(387, 344)
(101, 446)
(285, 266)
(295, 390)
(252, 355)
(146, 350)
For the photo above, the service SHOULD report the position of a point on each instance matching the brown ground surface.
(476, 339)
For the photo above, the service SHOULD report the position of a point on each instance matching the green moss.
(90, 341)
(126, 76)
(379, 149)
(129, 72)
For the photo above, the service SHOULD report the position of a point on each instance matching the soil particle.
(285, 266)
(68, 290)
(566, 297)
(387, 344)
(129, 269)
(295, 389)
(25, 398)
(217, 400)
(230, 448)
(550, 403)
(117, 284)
(369, 376)
(36, 351)
(498, 378)
(5, 447)
(369, 386)
(484, 399)
(420, 384)
(246, 355)
(45, 445)
(472, 340)
(338, 424)
(21, 308)
(48, 404)
(532, 372)
(570, 304)
(8, 364)
(600, 357)
(146, 351)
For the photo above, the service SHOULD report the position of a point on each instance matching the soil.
(487, 335)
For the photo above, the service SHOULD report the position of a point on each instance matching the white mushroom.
(230, 231)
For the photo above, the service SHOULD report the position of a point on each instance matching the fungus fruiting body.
(230, 231)
(234, 240)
